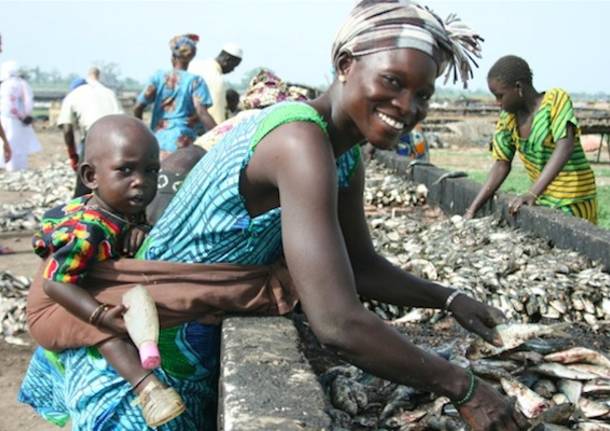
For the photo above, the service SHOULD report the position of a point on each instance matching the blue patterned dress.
(174, 95)
(206, 222)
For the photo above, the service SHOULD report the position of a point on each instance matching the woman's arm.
(6, 148)
(317, 258)
(297, 159)
(497, 175)
(68, 133)
(377, 278)
(561, 154)
(205, 117)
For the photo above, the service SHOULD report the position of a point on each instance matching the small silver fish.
(571, 389)
(554, 369)
(597, 387)
(512, 336)
(529, 402)
(592, 409)
(593, 426)
(579, 354)
(598, 370)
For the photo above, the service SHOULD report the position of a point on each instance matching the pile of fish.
(13, 294)
(554, 298)
(48, 188)
(43, 189)
(556, 385)
(519, 273)
(391, 191)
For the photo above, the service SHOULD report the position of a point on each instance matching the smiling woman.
(288, 180)
(387, 92)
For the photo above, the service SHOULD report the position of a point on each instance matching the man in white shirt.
(212, 71)
(84, 106)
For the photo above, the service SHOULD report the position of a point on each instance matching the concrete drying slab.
(266, 383)
(454, 195)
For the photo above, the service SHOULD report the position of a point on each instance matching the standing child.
(542, 128)
(121, 167)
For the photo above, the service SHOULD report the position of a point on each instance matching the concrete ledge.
(454, 195)
(265, 381)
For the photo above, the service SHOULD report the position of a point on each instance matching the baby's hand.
(133, 239)
(112, 319)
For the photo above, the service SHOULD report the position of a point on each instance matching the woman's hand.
(525, 199)
(488, 411)
(477, 317)
(112, 319)
(133, 239)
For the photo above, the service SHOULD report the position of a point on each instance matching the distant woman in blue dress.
(180, 99)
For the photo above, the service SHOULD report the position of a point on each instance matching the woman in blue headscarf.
(180, 99)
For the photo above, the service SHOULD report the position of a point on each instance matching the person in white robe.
(16, 104)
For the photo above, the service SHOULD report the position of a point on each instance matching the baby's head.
(121, 164)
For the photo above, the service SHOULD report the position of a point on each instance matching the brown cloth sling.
(183, 292)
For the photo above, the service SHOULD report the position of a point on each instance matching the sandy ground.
(14, 359)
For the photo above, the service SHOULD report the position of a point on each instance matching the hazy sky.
(565, 42)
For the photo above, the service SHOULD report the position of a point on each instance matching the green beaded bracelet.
(472, 386)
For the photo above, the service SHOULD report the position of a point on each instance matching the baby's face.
(127, 174)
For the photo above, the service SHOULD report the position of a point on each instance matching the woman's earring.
(342, 79)
(520, 92)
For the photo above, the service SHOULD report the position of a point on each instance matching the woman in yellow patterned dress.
(542, 128)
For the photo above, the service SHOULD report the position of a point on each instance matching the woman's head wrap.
(266, 89)
(380, 25)
(183, 46)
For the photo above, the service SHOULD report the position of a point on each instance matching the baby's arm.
(80, 303)
(76, 245)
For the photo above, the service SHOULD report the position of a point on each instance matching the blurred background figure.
(87, 101)
(264, 89)
(16, 104)
(212, 71)
(413, 145)
(232, 98)
(75, 83)
(180, 99)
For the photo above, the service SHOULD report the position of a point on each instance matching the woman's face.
(387, 93)
(507, 96)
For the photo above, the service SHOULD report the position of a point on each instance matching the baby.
(120, 167)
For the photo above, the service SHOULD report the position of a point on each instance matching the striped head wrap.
(380, 25)
(184, 45)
